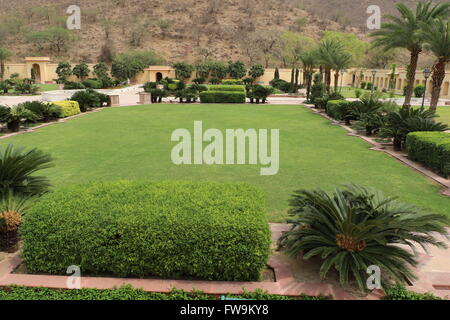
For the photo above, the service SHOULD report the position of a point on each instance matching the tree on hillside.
(291, 46)
(56, 38)
(403, 32)
(379, 58)
(4, 55)
(127, 65)
(266, 43)
(351, 44)
(436, 36)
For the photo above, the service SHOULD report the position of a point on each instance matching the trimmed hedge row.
(233, 88)
(129, 293)
(230, 82)
(170, 229)
(430, 148)
(222, 97)
(69, 108)
(337, 108)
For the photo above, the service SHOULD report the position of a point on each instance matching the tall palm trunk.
(411, 76)
(2, 69)
(436, 81)
(328, 79)
(336, 80)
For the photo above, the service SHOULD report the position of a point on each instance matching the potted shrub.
(11, 211)
(5, 86)
(17, 115)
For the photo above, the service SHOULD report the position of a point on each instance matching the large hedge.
(168, 229)
(222, 97)
(430, 148)
(224, 87)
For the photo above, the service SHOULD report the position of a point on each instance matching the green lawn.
(349, 92)
(135, 142)
(43, 88)
(444, 114)
(48, 87)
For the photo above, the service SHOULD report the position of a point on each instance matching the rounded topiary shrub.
(181, 230)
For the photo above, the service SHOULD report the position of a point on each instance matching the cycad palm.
(404, 32)
(436, 36)
(354, 228)
(17, 168)
(399, 124)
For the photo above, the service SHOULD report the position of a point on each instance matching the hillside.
(188, 30)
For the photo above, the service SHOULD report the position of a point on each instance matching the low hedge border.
(222, 97)
(69, 108)
(233, 88)
(337, 109)
(176, 230)
(129, 293)
(431, 149)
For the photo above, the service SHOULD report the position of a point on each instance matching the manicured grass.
(135, 143)
(48, 87)
(43, 88)
(349, 92)
(444, 114)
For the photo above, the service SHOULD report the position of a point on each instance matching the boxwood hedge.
(430, 148)
(222, 97)
(179, 230)
(233, 88)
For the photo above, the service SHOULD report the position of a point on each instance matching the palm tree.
(309, 62)
(326, 52)
(354, 227)
(4, 55)
(17, 168)
(341, 61)
(403, 32)
(436, 36)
